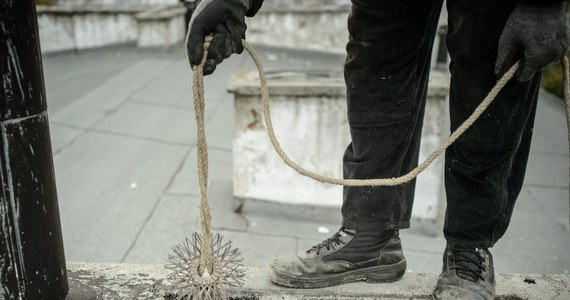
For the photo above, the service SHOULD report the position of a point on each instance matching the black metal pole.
(32, 261)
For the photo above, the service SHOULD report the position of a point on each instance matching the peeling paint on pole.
(32, 262)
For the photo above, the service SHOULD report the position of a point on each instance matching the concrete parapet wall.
(69, 28)
(75, 27)
(142, 282)
(309, 116)
(161, 27)
(316, 28)
(310, 27)
(117, 2)
(84, 24)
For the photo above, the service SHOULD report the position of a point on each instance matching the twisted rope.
(198, 94)
(380, 181)
(206, 257)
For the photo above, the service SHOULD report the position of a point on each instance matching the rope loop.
(198, 94)
(379, 181)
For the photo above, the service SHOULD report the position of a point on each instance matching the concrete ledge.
(305, 9)
(161, 26)
(162, 13)
(246, 83)
(75, 27)
(310, 115)
(72, 9)
(121, 281)
(295, 27)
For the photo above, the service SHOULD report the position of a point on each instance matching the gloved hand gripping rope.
(204, 267)
(218, 261)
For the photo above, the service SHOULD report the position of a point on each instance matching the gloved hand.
(535, 34)
(226, 20)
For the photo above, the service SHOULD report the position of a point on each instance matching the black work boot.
(347, 256)
(467, 274)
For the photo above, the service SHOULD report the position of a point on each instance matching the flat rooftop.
(123, 136)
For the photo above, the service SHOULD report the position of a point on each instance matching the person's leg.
(386, 74)
(484, 169)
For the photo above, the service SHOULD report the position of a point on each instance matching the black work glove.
(225, 19)
(534, 34)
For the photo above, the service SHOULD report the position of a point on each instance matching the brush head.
(187, 283)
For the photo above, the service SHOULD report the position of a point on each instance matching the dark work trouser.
(386, 73)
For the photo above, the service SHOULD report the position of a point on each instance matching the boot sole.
(377, 274)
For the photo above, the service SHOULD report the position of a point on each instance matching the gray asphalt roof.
(123, 140)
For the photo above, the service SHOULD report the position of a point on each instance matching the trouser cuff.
(469, 244)
(390, 225)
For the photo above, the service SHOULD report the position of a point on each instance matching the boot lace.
(468, 263)
(334, 240)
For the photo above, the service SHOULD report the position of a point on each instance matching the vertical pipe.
(32, 261)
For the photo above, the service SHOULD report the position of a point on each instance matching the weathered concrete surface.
(164, 26)
(315, 28)
(121, 281)
(310, 27)
(75, 26)
(115, 2)
(309, 116)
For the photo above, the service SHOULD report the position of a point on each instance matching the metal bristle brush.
(204, 267)
(227, 270)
